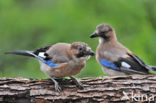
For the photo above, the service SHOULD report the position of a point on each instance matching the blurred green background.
(30, 24)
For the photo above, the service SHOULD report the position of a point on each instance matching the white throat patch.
(100, 40)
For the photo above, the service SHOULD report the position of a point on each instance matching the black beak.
(91, 53)
(93, 35)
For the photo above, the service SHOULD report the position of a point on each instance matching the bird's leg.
(57, 87)
(78, 84)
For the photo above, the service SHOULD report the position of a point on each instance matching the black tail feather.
(21, 52)
(153, 68)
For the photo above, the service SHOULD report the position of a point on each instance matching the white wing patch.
(41, 54)
(126, 65)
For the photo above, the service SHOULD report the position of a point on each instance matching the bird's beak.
(90, 52)
(93, 35)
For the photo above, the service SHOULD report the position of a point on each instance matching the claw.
(57, 87)
(78, 84)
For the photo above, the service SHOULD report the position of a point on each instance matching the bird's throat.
(101, 40)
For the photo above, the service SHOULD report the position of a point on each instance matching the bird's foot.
(57, 87)
(78, 84)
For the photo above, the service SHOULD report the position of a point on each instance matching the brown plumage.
(67, 55)
(109, 50)
(61, 59)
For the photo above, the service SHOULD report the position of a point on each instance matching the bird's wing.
(51, 60)
(134, 64)
(127, 65)
(41, 55)
(137, 59)
(48, 61)
(60, 52)
(141, 62)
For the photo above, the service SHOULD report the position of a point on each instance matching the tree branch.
(102, 89)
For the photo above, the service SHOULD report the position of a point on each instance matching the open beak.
(93, 35)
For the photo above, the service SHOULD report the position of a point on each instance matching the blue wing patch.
(109, 64)
(50, 63)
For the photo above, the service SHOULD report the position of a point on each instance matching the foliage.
(29, 24)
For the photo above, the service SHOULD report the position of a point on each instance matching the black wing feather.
(134, 65)
(42, 49)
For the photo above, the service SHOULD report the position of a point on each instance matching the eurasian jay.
(61, 60)
(114, 58)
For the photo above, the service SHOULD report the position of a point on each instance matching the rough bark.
(102, 89)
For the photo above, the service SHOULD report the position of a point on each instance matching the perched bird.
(114, 58)
(61, 60)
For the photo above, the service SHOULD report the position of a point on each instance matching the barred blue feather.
(50, 63)
(109, 64)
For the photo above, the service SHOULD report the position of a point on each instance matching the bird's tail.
(153, 68)
(22, 52)
(25, 53)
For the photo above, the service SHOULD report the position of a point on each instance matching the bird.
(60, 60)
(114, 58)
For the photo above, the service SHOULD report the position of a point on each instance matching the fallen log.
(126, 89)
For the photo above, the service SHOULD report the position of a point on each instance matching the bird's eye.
(103, 32)
(80, 48)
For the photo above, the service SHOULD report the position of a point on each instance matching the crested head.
(105, 32)
(81, 49)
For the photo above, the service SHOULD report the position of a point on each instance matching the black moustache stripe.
(81, 55)
(105, 37)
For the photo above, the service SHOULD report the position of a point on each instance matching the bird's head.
(81, 50)
(104, 31)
